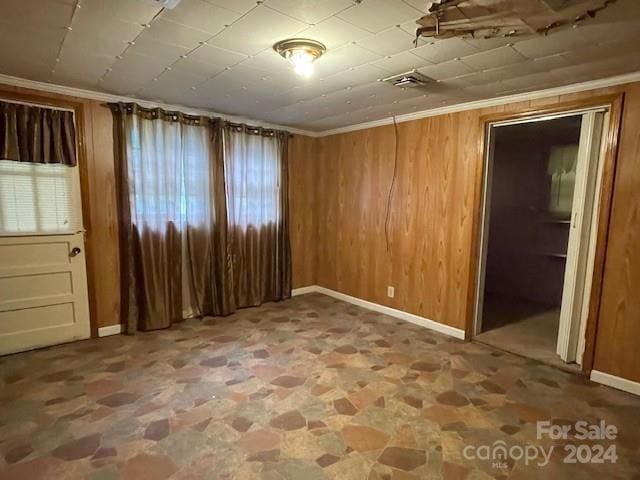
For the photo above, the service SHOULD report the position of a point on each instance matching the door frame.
(20, 94)
(611, 133)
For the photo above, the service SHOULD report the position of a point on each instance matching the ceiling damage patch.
(504, 18)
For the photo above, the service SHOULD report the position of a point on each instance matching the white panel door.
(43, 280)
(43, 291)
(581, 247)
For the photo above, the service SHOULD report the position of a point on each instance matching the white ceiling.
(217, 55)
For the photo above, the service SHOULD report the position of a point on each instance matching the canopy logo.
(586, 448)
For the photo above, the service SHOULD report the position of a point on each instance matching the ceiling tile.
(378, 15)
(101, 36)
(171, 84)
(623, 29)
(54, 13)
(39, 45)
(80, 67)
(151, 47)
(334, 32)
(280, 80)
(231, 80)
(126, 10)
(484, 44)
(556, 42)
(240, 6)
(421, 5)
(388, 42)
(551, 62)
(493, 58)
(309, 11)
(268, 60)
(351, 77)
(488, 90)
(596, 53)
(132, 73)
(258, 30)
(215, 55)
(540, 80)
(445, 70)
(443, 50)
(201, 15)
(343, 58)
(364, 44)
(175, 34)
(502, 73)
(12, 63)
(401, 62)
(190, 65)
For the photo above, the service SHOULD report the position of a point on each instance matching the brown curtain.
(256, 179)
(36, 134)
(168, 222)
(182, 255)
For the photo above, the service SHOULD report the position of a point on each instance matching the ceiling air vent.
(409, 79)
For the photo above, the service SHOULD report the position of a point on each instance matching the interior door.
(43, 291)
(486, 214)
(43, 281)
(576, 290)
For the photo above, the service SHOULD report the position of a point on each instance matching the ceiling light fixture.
(301, 52)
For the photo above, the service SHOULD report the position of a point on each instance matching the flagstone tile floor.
(310, 388)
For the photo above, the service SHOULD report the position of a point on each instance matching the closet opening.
(540, 216)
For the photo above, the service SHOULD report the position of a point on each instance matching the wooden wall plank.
(618, 329)
(302, 188)
(433, 212)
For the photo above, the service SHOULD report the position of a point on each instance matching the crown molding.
(107, 97)
(460, 107)
(491, 102)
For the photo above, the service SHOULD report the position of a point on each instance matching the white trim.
(110, 330)
(303, 290)
(490, 102)
(107, 97)
(615, 382)
(392, 312)
(460, 107)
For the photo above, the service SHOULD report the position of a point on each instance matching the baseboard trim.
(392, 312)
(110, 330)
(304, 290)
(616, 382)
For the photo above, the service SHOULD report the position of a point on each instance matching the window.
(38, 199)
(169, 174)
(252, 170)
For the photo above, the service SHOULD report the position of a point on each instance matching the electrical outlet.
(391, 292)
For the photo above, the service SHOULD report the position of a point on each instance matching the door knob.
(75, 251)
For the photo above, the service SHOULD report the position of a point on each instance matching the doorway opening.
(540, 215)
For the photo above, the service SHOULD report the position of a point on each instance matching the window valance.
(37, 134)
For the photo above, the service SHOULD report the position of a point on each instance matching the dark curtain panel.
(203, 216)
(37, 134)
(165, 184)
(256, 178)
(206, 268)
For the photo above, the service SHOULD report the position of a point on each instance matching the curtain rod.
(224, 121)
(39, 105)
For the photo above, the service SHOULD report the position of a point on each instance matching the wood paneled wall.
(426, 258)
(103, 225)
(618, 331)
(302, 221)
(429, 255)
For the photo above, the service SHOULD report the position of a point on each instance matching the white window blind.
(38, 199)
